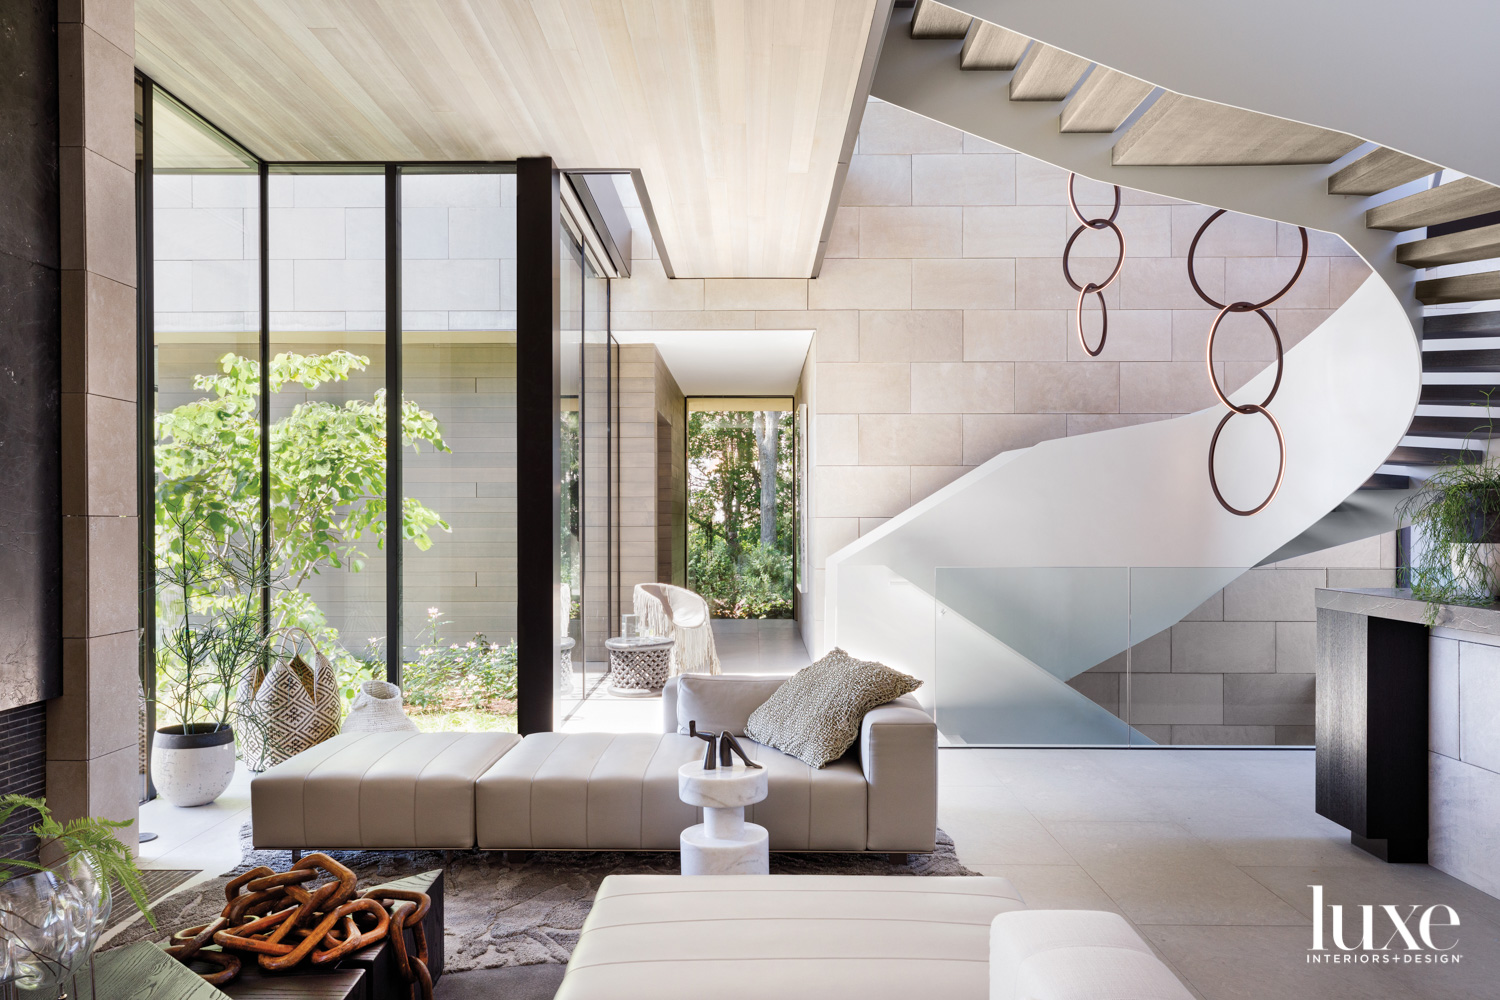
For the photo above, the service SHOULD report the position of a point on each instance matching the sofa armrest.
(898, 752)
(669, 706)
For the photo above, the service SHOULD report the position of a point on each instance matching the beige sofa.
(599, 791)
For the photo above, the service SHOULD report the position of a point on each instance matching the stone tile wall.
(92, 760)
(944, 336)
(1464, 759)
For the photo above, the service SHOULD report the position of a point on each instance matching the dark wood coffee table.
(143, 971)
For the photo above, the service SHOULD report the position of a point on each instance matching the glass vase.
(50, 923)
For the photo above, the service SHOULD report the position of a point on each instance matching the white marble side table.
(724, 844)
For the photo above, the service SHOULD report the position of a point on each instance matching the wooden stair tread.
(1104, 101)
(1186, 131)
(1479, 427)
(1446, 326)
(1379, 170)
(1415, 455)
(1460, 394)
(935, 20)
(1473, 360)
(1386, 481)
(1454, 248)
(1046, 74)
(989, 47)
(1458, 199)
(1459, 288)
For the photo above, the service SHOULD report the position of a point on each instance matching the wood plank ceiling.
(734, 110)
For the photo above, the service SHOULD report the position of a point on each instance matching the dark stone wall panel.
(30, 357)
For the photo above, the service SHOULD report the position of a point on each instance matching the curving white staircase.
(1138, 497)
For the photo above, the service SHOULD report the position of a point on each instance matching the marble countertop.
(1385, 602)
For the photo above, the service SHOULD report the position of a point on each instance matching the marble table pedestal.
(723, 844)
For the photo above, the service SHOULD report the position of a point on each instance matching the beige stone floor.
(1210, 854)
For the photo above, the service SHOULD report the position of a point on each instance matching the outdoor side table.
(639, 665)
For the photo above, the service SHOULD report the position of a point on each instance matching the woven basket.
(289, 708)
(377, 709)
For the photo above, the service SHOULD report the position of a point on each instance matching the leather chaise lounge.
(597, 791)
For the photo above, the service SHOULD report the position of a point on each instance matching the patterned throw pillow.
(815, 715)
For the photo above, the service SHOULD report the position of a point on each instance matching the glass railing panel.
(1032, 655)
(1196, 678)
(1142, 656)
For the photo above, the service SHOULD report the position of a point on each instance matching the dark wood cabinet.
(1372, 731)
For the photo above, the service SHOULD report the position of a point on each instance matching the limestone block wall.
(944, 336)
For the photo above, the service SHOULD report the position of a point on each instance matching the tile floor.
(1210, 854)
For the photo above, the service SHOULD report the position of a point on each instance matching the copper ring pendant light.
(1247, 408)
(1090, 287)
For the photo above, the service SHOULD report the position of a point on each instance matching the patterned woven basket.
(292, 706)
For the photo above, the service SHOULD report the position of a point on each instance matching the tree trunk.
(767, 438)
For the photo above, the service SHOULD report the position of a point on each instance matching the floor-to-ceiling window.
(458, 372)
(203, 517)
(328, 392)
(289, 307)
(741, 523)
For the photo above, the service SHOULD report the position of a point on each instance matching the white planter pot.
(1470, 560)
(192, 769)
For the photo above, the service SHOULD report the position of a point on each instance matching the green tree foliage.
(327, 494)
(739, 574)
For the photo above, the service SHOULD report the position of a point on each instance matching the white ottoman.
(375, 790)
(787, 937)
(1075, 955)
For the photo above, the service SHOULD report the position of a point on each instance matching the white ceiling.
(729, 362)
(735, 112)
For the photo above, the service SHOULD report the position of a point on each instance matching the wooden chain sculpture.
(1246, 408)
(1097, 289)
(279, 922)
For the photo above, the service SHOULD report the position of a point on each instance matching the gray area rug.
(501, 914)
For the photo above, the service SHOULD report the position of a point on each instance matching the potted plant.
(200, 663)
(210, 633)
(51, 916)
(1457, 514)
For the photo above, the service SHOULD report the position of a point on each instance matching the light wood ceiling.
(734, 110)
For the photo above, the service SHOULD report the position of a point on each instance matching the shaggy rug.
(500, 914)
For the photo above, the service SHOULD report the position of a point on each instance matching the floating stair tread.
(1104, 101)
(1386, 481)
(1453, 248)
(1187, 131)
(935, 20)
(1046, 74)
(989, 46)
(1458, 199)
(1459, 288)
(1412, 455)
(1445, 326)
(1479, 360)
(1479, 394)
(1379, 170)
(1478, 427)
